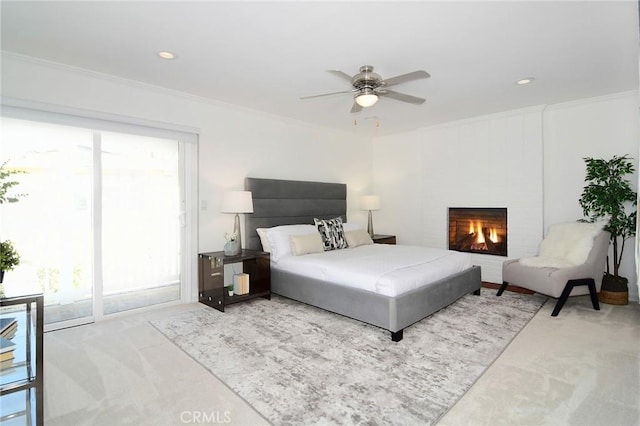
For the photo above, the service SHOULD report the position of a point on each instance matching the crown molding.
(158, 89)
(108, 77)
(594, 99)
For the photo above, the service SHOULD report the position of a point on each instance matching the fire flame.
(477, 230)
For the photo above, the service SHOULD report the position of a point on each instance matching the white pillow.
(306, 244)
(264, 239)
(358, 237)
(279, 238)
(351, 226)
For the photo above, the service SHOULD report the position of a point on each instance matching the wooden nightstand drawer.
(384, 239)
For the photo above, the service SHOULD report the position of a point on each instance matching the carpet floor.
(300, 365)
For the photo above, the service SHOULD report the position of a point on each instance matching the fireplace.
(478, 230)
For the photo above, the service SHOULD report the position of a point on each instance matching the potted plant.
(232, 245)
(9, 258)
(230, 289)
(608, 195)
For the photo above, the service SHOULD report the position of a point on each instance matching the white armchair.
(571, 262)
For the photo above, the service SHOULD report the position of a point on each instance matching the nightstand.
(384, 239)
(211, 286)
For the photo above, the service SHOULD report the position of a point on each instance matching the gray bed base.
(391, 313)
(281, 202)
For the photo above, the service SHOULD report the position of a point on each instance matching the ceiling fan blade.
(343, 75)
(326, 94)
(416, 75)
(356, 107)
(402, 97)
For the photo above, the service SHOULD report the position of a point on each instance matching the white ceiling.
(265, 55)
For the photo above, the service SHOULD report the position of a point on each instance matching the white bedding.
(389, 270)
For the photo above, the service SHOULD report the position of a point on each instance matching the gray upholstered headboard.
(287, 202)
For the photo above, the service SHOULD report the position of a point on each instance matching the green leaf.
(6, 184)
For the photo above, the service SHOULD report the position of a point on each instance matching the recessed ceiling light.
(525, 81)
(167, 55)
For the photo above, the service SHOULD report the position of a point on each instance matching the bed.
(287, 202)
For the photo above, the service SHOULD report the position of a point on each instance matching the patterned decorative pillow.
(332, 233)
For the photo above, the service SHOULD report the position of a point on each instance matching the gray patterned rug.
(299, 365)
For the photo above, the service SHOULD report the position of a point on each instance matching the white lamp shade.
(366, 100)
(370, 202)
(237, 202)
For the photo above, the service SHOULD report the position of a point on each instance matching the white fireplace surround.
(468, 163)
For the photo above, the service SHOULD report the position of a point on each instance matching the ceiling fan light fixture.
(367, 87)
(366, 98)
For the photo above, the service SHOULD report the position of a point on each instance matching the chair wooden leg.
(563, 298)
(592, 292)
(503, 287)
(589, 282)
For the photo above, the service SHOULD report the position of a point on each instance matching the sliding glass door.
(99, 229)
(51, 225)
(140, 221)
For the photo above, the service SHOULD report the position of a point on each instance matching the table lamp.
(370, 202)
(237, 202)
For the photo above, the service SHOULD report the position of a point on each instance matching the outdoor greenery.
(608, 195)
(6, 184)
(9, 258)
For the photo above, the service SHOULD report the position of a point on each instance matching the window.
(104, 226)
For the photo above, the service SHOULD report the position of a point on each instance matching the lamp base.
(370, 225)
(236, 245)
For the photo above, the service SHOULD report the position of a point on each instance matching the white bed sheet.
(386, 269)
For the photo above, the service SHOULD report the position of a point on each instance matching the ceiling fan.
(368, 87)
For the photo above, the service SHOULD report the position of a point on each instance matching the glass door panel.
(99, 229)
(141, 230)
(51, 226)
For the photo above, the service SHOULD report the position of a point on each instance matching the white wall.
(234, 142)
(596, 127)
(491, 161)
(529, 161)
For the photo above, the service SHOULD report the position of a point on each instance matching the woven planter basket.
(614, 297)
(614, 291)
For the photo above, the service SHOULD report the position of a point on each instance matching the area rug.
(300, 365)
